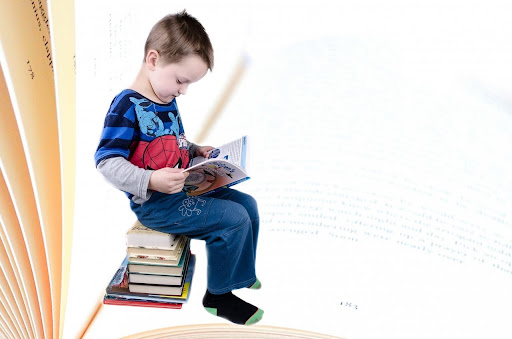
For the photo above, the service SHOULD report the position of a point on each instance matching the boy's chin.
(167, 100)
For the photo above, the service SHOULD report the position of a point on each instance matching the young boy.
(143, 151)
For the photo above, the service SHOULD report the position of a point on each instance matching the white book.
(141, 236)
(155, 289)
(154, 279)
(155, 253)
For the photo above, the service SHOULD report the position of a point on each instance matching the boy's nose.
(183, 89)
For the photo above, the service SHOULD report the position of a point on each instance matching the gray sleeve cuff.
(145, 193)
(191, 149)
(125, 176)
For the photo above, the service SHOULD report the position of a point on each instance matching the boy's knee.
(234, 216)
(250, 205)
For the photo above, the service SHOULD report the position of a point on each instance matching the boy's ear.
(152, 59)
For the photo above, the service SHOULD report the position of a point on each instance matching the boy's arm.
(125, 176)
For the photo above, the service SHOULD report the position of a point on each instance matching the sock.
(256, 285)
(232, 308)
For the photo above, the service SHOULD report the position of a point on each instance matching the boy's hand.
(203, 151)
(168, 180)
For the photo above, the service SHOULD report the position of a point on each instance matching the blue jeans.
(227, 220)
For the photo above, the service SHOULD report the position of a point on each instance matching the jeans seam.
(237, 227)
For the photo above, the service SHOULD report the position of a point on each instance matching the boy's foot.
(256, 285)
(232, 308)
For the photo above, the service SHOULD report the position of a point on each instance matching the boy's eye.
(178, 81)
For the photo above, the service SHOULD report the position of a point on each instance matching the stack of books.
(156, 272)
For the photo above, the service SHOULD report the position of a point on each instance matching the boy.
(143, 151)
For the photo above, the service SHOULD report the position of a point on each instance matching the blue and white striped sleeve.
(118, 131)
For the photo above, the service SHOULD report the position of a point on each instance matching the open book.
(382, 176)
(224, 167)
(384, 197)
(37, 163)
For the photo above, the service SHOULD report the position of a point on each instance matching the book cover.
(110, 300)
(224, 167)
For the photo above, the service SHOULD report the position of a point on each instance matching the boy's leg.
(227, 229)
(251, 206)
(224, 225)
(249, 203)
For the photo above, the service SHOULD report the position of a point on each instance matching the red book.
(112, 301)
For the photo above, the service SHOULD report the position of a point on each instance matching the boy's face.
(169, 81)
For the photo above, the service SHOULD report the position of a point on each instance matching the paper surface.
(379, 204)
(382, 175)
(28, 69)
(62, 27)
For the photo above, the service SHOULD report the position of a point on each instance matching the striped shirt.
(148, 134)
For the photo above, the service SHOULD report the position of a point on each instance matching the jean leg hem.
(232, 287)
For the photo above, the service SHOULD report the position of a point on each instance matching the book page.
(14, 245)
(382, 177)
(21, 224)
(13, 308)
(62, 26)
(28, 68)
(234, 152)
(384, 191)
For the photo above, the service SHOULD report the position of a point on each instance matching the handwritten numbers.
(31, 72)
(350, 305)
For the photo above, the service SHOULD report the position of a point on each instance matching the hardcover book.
(118, 287)
(141, 236)
(151, 253)
(155, 289)
(154, 279)
(161, 269)
(110, 300)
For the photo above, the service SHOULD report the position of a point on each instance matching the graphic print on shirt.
(149, 123)
(163, 143)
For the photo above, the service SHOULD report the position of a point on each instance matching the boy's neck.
(142, 85)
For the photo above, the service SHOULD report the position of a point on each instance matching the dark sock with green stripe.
(256, 285)
(232, 308)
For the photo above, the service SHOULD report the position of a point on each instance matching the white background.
(422, 68)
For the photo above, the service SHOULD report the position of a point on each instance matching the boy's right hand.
(168, 180)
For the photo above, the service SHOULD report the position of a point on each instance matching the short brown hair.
(176, 36)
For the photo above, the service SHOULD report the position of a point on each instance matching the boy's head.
(177, 36)
(178, 53)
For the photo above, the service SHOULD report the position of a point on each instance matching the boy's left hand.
(203, 151)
